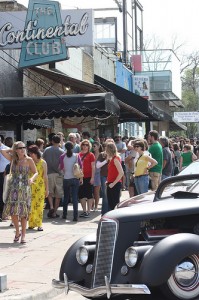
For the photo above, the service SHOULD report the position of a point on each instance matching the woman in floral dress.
(18, 200)
(39, 189)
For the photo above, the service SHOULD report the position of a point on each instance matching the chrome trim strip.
(102, 290)
(66, 283)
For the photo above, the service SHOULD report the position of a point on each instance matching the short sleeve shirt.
(87, 161)
(156, 153)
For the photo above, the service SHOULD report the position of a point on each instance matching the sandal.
(40, 229)
(55, 216)
(23, 241)
(16, 239)
(50, 213)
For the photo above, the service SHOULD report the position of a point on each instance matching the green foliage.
(180, 133)
(189, 100)
(190, 97)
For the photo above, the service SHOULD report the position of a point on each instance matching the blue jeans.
(105, 207)
(142, 184)
(164, 176)
(73, 186)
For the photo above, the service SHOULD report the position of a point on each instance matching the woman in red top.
(115, 173)
(88, 166)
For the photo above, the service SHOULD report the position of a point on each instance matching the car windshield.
(190, 185)
(191, 169)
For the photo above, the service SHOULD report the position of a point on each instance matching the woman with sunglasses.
(143, 164)
(18, 202)
(86, 189)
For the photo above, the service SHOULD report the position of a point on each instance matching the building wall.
(80, 65)
(72, 67)
(104, 65)
(11, 6)
(123, 76)
(35, 84)
(42, 88)
(87, 67)
(11, 76)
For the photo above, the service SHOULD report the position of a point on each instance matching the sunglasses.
(19, 148)
(87, 145)
(136, 146)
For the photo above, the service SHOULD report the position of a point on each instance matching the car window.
(191, 186)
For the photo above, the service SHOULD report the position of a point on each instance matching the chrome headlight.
(82, 255)
(131, 257)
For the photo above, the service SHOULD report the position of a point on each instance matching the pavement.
(30, 268)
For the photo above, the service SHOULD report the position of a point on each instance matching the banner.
(141, 86)
(187, 117)
(76, 28)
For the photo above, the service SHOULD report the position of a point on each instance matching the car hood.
(140, 199)
(165, 208)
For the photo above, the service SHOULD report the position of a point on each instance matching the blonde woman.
(18, 201)
(115, 173)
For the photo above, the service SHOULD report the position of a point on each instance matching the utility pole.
(124, 31)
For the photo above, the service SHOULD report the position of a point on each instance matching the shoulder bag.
(6, 185)
(77, 171)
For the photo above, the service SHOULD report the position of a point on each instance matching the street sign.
(187, 117)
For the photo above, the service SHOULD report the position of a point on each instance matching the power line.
(50, 89)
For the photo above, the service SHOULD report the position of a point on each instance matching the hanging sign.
(45, 33)
(187, 116)
(43, 40)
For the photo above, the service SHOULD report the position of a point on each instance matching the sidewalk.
(30, 268)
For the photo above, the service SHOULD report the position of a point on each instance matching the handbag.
(77, 171)
(6, 185)
(176, 170)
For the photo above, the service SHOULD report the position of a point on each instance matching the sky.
(173, 18)
(162, 18)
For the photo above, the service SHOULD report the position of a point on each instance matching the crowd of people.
(38, 171)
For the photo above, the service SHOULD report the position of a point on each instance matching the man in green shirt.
(156, 153)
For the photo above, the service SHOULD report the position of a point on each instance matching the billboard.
(141, 86)
(76, 28)
(187, 117)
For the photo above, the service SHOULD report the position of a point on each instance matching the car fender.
(159, 262)
(69, 265)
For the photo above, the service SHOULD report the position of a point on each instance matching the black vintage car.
(141, 248)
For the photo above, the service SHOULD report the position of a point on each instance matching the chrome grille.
(105, 252)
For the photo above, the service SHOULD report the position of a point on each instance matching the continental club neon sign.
(47, 34)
